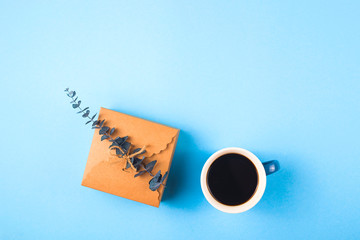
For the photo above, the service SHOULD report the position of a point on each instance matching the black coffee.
(232, 179)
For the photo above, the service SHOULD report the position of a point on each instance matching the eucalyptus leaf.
(118, 151)
(88, 122)
(150, 166)
(103, 130)
(72, 94)
(140, 173)
(138, 150)
(164, 177)
(112, 131)
(102, 123)
(120, 140)
(155, 182)
(127, 165)
(83, 110)
(86, 114)
(154, 185)
(125, 147)
(104, 137)
(137, 162)
(95, 123)
(114, 144)
(157, 177)
(74, 100)
(92, 118)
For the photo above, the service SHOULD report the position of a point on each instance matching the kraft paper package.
(104, 171)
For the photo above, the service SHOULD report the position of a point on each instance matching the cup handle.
(271, 166)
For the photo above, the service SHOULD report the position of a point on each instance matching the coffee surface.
(232, 179)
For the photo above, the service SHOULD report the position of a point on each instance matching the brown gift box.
(103, 174)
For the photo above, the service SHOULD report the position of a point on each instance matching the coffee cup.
(233, 180)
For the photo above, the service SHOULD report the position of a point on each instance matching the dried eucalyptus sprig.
(121, 146)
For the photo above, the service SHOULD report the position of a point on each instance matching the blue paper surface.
(278, 78)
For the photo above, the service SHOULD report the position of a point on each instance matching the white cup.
(262, 169)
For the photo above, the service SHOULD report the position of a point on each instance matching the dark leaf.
(150, 166)
(157, 176)
(88, 122)
(136, 162)
(75, 105)
(120, 140)
(112, 131)
(95, 123)
(164, 177)
(139, 173)
(125, 147)
(104, 137)
(118, 151)
(86, 114)
(154, 185)
(102, 123)
(83, 110)
(114, 144)
(155, 182)
(74, 100)
(92, 118)
(127, 165)
(137, 150)
(72, 94)
(103, 130)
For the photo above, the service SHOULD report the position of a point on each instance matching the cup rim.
(259, 191)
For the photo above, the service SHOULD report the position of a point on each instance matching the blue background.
(278, 78)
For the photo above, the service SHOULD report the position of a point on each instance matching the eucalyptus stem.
(122, 146)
